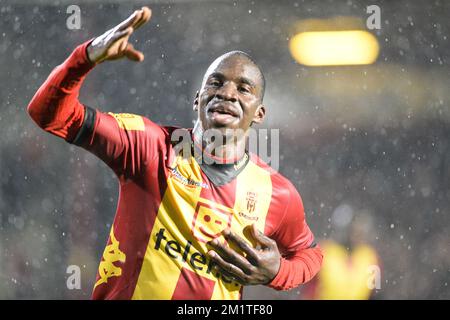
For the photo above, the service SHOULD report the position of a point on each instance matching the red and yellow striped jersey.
(168, 207)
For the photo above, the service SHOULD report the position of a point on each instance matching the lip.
(224, 108)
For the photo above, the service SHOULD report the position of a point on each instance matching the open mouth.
(223, 112)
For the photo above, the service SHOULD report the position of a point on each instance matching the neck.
(228, 147)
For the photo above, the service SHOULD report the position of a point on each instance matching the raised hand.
(113, 44)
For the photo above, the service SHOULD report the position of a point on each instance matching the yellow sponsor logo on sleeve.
(128, 121)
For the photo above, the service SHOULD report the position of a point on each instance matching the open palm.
(113, 44)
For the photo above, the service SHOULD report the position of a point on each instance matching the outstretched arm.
(55, 106)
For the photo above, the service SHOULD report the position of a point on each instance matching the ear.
(260, 113)
(195, 105)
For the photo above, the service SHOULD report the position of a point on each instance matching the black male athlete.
(184, 228)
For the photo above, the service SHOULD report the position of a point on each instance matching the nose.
(227, 92)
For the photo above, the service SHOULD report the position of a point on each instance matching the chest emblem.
(209, 221)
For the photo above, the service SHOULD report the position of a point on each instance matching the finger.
(226, 274)
(133, 54)
(232, 277)
(146, 15)
(242, 244)
(119, 35)
(142, 16)
(138, 18)
(229, 268)
(261, 238)
(129, 21)
(232, 256)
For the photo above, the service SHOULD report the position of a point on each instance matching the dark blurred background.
(370, 141)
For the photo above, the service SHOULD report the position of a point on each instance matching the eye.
(214, 83)
(244, 89)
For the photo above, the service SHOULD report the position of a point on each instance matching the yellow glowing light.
(331, 48)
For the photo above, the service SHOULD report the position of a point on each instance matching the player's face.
(230, 97)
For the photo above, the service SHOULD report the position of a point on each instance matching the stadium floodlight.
(331, 48)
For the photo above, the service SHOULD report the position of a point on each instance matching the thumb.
(133, 54)
(260, 237)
